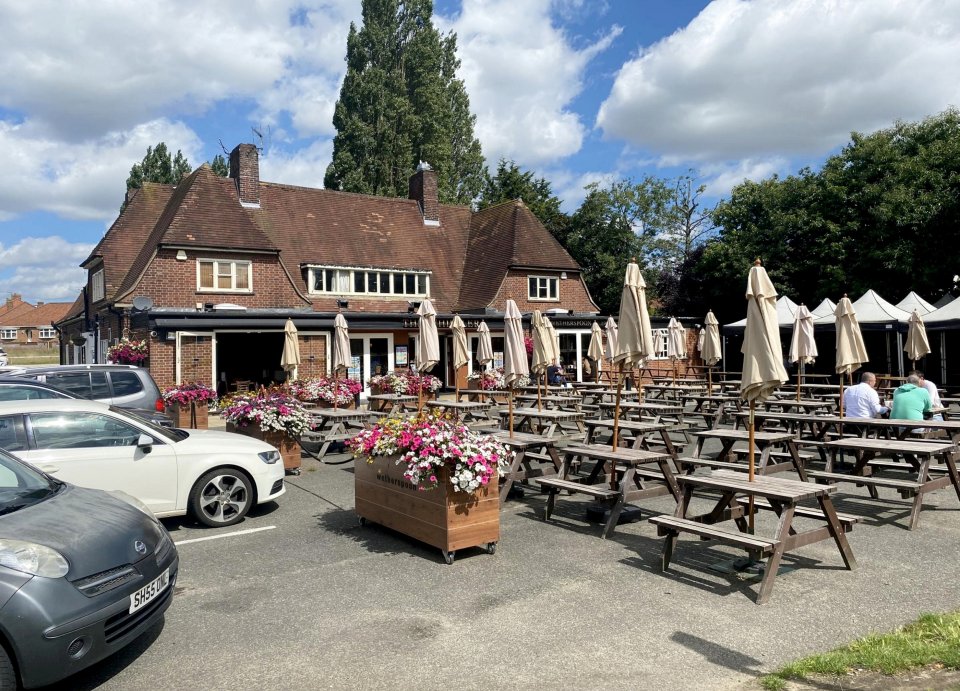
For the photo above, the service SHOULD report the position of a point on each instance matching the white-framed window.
(97, 286)
(48, 333)
(224, 276)
(543, 288)
(380, 282)
(8, 334)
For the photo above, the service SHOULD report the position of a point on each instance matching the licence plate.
(149, 591)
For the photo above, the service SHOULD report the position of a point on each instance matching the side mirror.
(145, 443)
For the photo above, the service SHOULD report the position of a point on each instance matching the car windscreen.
(21, 485)
(168, 434)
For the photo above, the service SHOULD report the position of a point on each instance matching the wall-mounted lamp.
(181, 256)
(563, 275)
(342, 304)
(413, 305)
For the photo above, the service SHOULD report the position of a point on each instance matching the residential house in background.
(23, 323)
(208, 272)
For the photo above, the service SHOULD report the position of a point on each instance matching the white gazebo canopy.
(915, 302)
(872, 309)
(827, 307)
(786, 313)
(948, 313)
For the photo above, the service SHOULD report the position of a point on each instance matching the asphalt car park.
(299, 596)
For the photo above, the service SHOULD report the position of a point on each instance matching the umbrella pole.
(616, 418)
(841, 404)
(709, 380)
(336, 387)
(799, 377)
(750, 466)
(510, 416)
(456, 383)
(539, 404)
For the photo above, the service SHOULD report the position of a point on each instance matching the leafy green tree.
(510, 183)
(158, 166)
(401, 103)
(219, 166)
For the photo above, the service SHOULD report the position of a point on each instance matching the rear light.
(159, 405)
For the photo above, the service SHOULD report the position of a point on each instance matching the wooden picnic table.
(598, 396)
(777, 494)
(675, 391)
(640, 431)
(551, 401)
(465, 410)
(492, 396)
(712, 406)
(545, 422)
(637, 408)
(631, 481)
(918, 456)
(329, 425)
(766, 444)
(818, 426)
(528, 449)
(386, 402)
(788, 404)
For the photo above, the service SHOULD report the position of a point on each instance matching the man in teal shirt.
(910, 401)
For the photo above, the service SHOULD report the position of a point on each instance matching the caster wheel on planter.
(448, 557)
(492, 548)
(362, 521)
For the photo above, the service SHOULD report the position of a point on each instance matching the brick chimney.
(245, 169)
(423, 189)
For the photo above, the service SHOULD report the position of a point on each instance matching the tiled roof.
(501, 236)
(13, 316)
(124, 240)
(324, 227)
(75, 310)
(203, 211)
(28, 315)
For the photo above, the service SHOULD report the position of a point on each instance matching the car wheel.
(221, 497)
(8, 675)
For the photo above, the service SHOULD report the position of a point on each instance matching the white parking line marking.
(217, 537)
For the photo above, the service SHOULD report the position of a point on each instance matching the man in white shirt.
(932, 390)
(862, 400)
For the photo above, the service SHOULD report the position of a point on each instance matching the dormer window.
(379, 282)
(543, 288)
(97, 286)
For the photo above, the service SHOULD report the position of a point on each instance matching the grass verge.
(932, 639)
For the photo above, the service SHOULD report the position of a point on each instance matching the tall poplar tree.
(401, 102)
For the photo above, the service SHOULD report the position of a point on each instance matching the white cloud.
(569, 187)
(82, 180)
(304, 167)
(522, 74)
(754, 79)
(85, 68)
(720, 178)
(43, 268)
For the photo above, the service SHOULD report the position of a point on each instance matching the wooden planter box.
(192, 417)
(288, 447)
(440, 517)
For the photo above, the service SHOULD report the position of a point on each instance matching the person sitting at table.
(555, 375)
(587, 366)
(862, 400)
(932, 390)
(910, 401)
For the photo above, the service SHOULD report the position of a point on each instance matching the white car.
(215, 476)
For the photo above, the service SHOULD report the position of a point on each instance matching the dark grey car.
(82, 574)
(124, 386)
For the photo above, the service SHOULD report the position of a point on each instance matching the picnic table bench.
(640, 431)
(766, 443)
(465, 410)
(918, 455)
(528, 449)
(630, 481)
(331, 425)
(386, 402)
(781, 495)
(545, 422)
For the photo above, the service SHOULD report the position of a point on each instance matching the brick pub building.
(208, 272)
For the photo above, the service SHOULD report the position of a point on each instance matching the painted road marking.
(217, 537)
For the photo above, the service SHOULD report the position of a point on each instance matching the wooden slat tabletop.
(622, 454)
(767, 486)
(744, 435)
(892, 445)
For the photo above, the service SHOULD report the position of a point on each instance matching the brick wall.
(572, 292)
(245, 169)
(424, 189)
(172, 283)
(316, 347)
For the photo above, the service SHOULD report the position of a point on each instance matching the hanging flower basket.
(127, 352)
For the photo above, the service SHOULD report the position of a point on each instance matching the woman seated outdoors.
(555, 376)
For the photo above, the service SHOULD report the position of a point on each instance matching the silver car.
(82, 574)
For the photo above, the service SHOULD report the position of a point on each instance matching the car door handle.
(48, 468)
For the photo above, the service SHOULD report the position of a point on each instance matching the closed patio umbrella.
(461, 355)
(341, 350)
(851, 353)
(542, 356)
(635, 338)
(711, 351)
(803, 347)
(595, 349)
(514, 352)
(485, 346)
(917, 344)
(676, 344)
(428, 343)
(763, 368)
(612, 338)
(290, 359)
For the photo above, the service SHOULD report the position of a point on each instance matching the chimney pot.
(424, 190)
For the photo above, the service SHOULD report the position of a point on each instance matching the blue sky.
(579, 91)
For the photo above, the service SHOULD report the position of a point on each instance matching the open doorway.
(248, 360)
